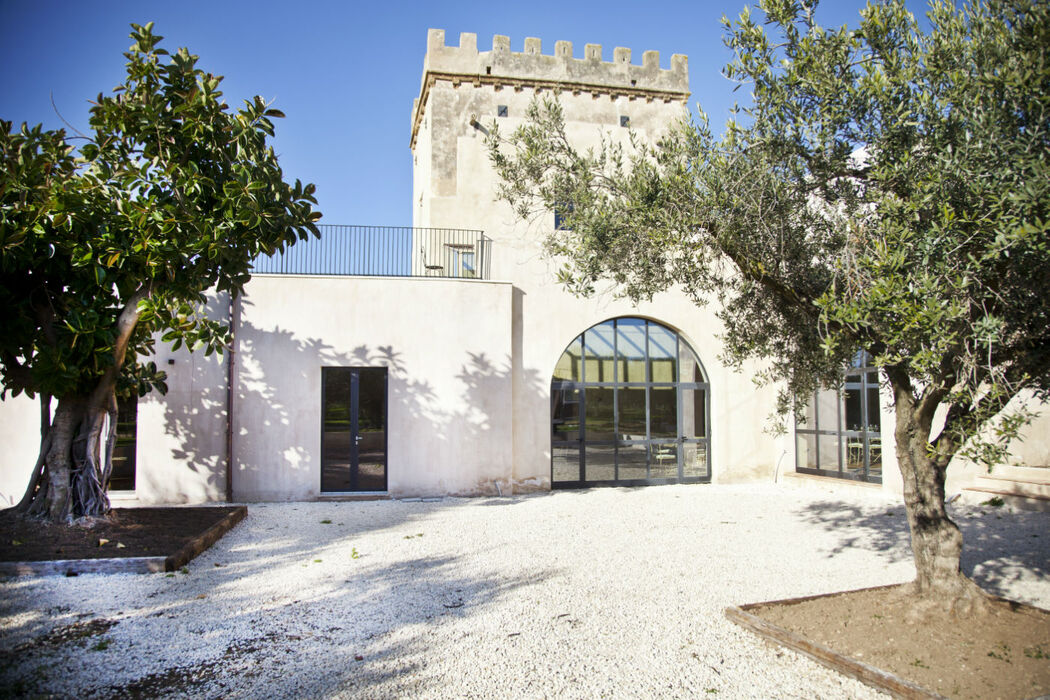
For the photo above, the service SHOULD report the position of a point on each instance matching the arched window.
(629, 405)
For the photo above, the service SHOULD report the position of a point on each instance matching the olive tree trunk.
(935, 538)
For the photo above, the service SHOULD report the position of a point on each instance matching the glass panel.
(694, 413)
(630, 349)
(806, 451)
(688, 365)
(808, 418)
(336, 437)
(827, 403)
(851, 402)
(601, 463)
(875, 459)
(598, 353)
(829, 452)
(665, 461)
(565, 462)
(599, 403)
(694, 459)
(633, 461)
(632, 413)
(565, 415)
(122, 478)
(663, 410)
(371, 430)
(854, 463)
(874, 419)
(568, 367)
(662, 349)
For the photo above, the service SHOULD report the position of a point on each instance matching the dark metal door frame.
(355, 426)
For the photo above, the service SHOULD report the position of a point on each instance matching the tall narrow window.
(353, 429)
(840, 433)
(122, 478)
(561, 216)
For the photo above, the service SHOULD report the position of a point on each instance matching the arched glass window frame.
(683, 446)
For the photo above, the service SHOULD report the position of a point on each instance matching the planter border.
(865, 673)
(129, 565)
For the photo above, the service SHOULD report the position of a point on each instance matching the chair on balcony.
(430, 270)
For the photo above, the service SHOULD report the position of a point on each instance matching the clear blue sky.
(344, 73)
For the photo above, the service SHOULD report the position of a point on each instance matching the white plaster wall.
(181, 438)
(20, 435)
(446, 344)
(462, 193)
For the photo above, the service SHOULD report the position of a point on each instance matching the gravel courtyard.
(600, 593)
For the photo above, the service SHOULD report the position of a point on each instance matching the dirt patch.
(68, 633)
(126, 532)
(1004, 653)
(179, 681)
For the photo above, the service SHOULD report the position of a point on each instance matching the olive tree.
(884, 188)
(170, 196)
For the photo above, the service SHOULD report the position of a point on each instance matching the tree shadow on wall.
(452, 434)
(195, 416)
(999, 548)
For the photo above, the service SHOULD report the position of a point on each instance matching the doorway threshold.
(354, 496)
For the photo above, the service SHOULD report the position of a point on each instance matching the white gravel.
(601, 593)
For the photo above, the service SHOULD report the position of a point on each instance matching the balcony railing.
(384, 251)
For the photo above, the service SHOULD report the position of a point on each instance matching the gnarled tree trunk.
(71, 474)
(76, 459)
(936, 539)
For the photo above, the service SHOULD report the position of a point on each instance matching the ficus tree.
(103, 247)
(884, 188)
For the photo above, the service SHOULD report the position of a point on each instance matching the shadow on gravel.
(998, 547)
(352, 629)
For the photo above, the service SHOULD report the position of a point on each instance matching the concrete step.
(976, 495)
(1010, 471)
(1028, 486)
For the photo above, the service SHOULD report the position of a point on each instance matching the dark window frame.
(353, 419)
(857, 378)
(126, 407)
(561, 387)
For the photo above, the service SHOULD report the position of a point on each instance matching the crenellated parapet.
(558, 72)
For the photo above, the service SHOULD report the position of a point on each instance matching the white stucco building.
(445, 359)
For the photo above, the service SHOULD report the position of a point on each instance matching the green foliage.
(171, 195)
(885, 188)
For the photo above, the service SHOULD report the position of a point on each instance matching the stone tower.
(463, 90)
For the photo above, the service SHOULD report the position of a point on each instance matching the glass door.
(353, 432)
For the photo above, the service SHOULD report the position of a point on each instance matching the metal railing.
(384, 251)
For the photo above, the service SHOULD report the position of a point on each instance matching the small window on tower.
(501, 111)
(561, 214)
(625, 120)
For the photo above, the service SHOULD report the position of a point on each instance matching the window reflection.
(630, 350)
(839, 433)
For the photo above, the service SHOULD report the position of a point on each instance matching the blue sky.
(344, 73)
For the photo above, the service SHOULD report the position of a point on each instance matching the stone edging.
(865, 673)
(128, 565)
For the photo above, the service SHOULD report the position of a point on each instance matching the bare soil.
(126, 532)
(1002, 653)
